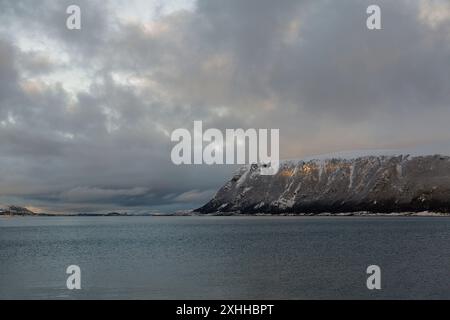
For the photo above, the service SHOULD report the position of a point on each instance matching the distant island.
(21, 211)
(16, 211)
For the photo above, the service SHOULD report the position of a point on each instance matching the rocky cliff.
(400, 183)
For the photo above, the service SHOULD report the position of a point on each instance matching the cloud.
(85, 116)
(90, 194)
(8, 74)
(434, 13)
(195, 196)
(35, 62)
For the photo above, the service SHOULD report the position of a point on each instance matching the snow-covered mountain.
(16, 211)
(374, 183)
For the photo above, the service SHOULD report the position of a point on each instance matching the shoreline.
(236, 214)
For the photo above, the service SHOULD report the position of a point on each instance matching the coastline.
(237, 214)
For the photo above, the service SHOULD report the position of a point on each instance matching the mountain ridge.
(373, 183)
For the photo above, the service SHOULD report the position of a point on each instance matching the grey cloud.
(37, 63)
(195, 196)
(47, 19)
(310, 68)
(88, 194)
(238, 57)
(8, 73)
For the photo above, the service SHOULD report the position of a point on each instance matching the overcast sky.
(86, 115)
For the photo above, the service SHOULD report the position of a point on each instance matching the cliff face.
(373, 183)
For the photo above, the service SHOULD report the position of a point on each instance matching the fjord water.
(225, 257)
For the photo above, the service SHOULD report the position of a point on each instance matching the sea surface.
(225, 257)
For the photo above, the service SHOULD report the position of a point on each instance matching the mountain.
(374, 183)
(16, 211)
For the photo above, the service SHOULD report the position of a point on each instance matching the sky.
(86, 115)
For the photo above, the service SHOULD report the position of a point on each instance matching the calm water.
(224, 257)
